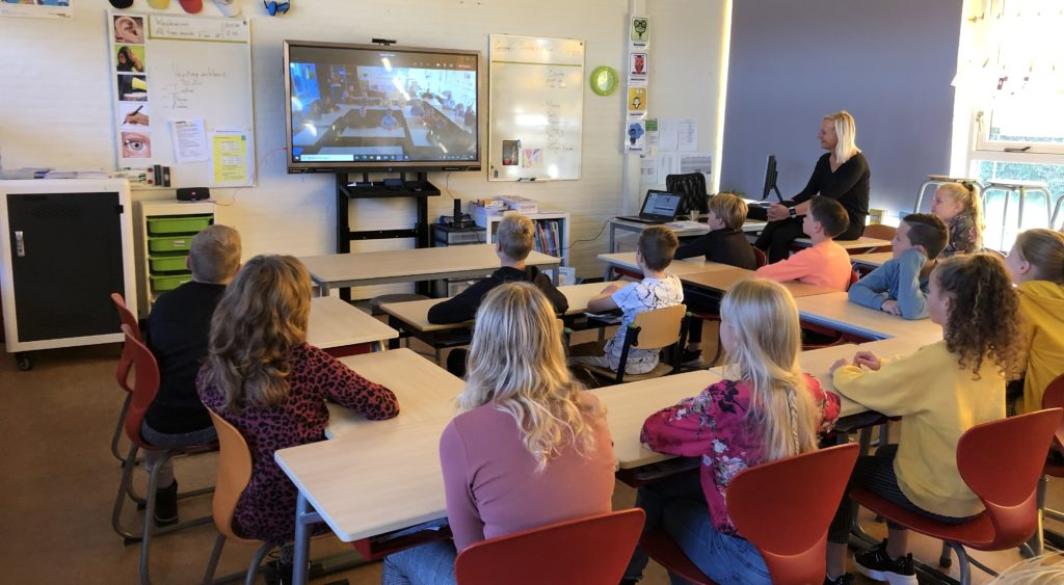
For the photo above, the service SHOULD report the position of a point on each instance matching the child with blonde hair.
(1036, 264)
(960, 206)
(529, 448)
(263, 377)
(972, 298)
(769, 410)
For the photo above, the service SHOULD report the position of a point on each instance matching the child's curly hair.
(983, 320)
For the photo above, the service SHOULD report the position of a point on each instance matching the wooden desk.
(623, 225)
(413, 315)
(426, 393)
(626, 261)
(343, 329)
(836, 312)
(861, 244)
(722, 280)
(873, 260)
(366, 268)
(628, 405)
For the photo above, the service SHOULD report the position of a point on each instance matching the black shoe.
(876, 564)
(843, 579)
(166, 505)
(691, 357)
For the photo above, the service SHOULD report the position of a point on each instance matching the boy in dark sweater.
(514, 243)
(178, 330)
(515, 239)
(725, 244)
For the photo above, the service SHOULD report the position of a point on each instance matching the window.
(1010, 88)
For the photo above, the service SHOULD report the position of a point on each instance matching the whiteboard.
(536, 108)
(196, 69)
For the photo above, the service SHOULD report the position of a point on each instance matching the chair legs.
(125, 489)
(253, 567)
(1036, 543)
(117, 436)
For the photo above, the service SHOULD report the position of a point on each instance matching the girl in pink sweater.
(769, 410)
(530, 448)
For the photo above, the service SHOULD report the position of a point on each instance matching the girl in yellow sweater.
(939, 392)
(1036, 264)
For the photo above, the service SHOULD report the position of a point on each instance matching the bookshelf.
(552, 232)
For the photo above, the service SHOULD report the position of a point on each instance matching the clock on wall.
(604, 80)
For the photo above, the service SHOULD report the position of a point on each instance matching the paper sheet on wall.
(678, 134)
(648, 172)
(189, 138)
(697, 162)
(229, 158)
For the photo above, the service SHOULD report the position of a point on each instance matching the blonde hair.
(969, 195)
(846, 133)
(764, 320)
(214, 255)
(515, 236)
(1044, 249)
(261, 317)
(731, 210)
(1033, 571)
(517, 363)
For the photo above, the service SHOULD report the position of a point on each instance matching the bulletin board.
(536, 108)
(183, 98)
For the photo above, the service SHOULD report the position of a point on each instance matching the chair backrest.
(880, 231)
(589, 551)
(760, 258)
(1054, 398)
(854, 277)
(659, 328)
(125, 362)
(693, 188)
(145, 384)
(784, 508)
(1002, 461)
(234, 474)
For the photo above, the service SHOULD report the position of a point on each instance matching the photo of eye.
(136, 145)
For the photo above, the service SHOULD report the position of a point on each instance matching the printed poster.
(637, 100)
(36, 8)
(639, 33)
(229, 159)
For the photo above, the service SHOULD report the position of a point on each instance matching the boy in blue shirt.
(899, 286)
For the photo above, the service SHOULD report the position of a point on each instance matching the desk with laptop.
(662, 208)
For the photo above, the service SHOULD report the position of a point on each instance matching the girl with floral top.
(770, 411)
(263, 378)
(960, 206)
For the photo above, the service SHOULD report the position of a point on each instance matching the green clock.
(604, 80)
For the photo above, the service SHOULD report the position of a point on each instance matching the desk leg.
(377, 346)
(613, 238)
(557, 274)
(305, 516)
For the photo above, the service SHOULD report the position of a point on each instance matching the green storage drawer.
(169, 282)
(175, 244)
(174, 263)
(182, 224)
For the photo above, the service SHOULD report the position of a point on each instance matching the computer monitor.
(771, 176)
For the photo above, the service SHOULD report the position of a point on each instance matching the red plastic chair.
(145, 387)
(1001, 462)
(125, 364)
(1052, 398)
(760, 258)
(784, 509)
(590, 551)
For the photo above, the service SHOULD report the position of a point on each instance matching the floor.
(59, 488)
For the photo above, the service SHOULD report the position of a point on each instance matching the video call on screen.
(361, 105)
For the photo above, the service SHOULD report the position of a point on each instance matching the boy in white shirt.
(657, 290)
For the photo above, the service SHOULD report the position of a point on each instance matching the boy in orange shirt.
(825, 263)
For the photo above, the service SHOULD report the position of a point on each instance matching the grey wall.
(889, 62)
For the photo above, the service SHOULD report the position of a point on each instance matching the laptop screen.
(661, 203)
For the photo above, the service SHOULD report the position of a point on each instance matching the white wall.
(57, 101)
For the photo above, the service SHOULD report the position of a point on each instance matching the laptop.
(658, 207)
